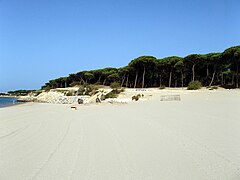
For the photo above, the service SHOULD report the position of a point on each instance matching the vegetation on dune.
(213, 69)
(88, 89)
(116, 90)
(112, 94)
(115, 85)
(162, 87)
(194, 85)
(137, 97)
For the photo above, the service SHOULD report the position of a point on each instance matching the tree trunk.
(104, 81)
(152, 81)
(233, 79)
(212, 78)
(207, 70)
(131, 84)
(170, 78)
(160, 80)
(136, 77)
(99, 79)
(82, 81)
(222, 82)
(143, 78)
(127, 81)
(182, 78)
(224, 79)
(123, 80)
(237, 83)
(193, 72)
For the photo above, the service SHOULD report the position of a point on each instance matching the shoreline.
(126, 96)
(4, 96)
(13, 103)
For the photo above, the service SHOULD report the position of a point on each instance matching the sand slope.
(197, 138)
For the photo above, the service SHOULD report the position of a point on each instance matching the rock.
(98, 100)
(102, 97)
(80, 101)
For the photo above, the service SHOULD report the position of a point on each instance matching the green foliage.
(112, 94)
(232, 54)
(162, 87)
(46, 87)
(121, 90)
(220, 69)
(20, 92)
(87, 89)
(115, 85)
(75, 83)
(194, 58)
(136, 97)
(92, 89)
(194, 85)
(171, 61)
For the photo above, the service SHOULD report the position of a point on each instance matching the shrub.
(119, 90)
(87, 90)
(47, 88)
(70, 93)
(162, 87)
(75, 83)
(115, 85)
(91, 89)
(81, 90)
(112, 94)
(194, 85)
(136, 97)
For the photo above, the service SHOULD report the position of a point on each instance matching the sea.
(8, 101)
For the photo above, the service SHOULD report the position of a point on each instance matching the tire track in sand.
(123, 155)
(15, 132)
(53, 152)
(217, 162)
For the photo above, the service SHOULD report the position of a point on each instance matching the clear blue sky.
(46, 39)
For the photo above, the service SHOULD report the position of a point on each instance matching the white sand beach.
(193, 139)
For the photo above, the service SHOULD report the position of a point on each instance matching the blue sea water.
(8, 101)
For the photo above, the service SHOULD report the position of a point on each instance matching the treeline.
(21, 92)
(218, 69)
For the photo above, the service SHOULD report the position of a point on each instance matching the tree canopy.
(219, 69)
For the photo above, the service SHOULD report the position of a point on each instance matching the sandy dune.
(194, 139)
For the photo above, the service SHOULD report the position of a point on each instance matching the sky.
(47, 39)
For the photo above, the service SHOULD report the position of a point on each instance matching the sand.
(193, 139)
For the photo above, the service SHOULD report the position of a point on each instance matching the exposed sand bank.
(193, 139)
